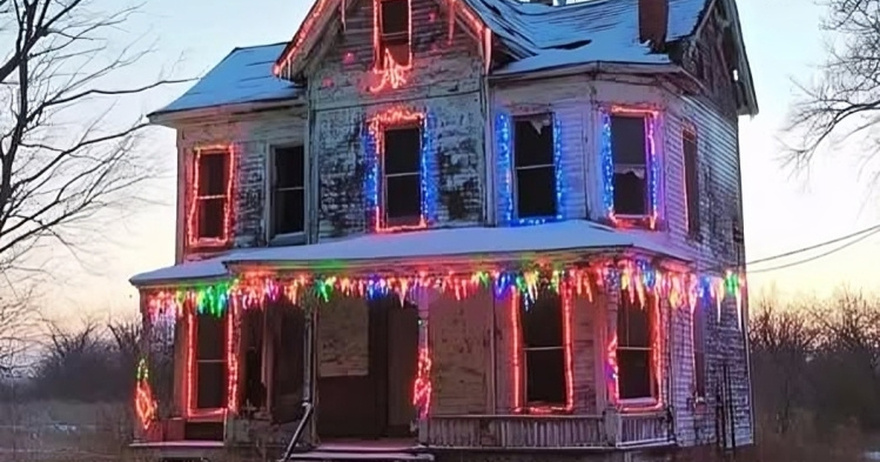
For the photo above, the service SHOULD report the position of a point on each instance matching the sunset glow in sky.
(781, 212)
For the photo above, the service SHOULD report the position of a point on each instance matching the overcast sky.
(781, 213)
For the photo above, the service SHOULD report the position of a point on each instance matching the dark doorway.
(286, 353)
(378, 404)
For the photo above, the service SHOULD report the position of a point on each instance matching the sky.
(782, 212)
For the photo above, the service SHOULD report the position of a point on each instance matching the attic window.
(393, 33)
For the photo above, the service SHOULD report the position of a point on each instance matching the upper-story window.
(288, 192)
(691, 180)
(393, 33)
(402, 176)
(635, 348)
(631, 164)
(534, 166)
(209, 215)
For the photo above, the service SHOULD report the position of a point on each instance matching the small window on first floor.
(635, 348)
(699, 326)
(630, 157)
(210, 358)
(288, 190)
(211, 201)
(543, 349)
(401, 159)
(534, 166)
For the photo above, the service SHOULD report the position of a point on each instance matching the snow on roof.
(430, 244)
(243, 76)
(596, 30)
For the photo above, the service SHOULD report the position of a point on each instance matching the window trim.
(191, 375)
(655, 357)
(193, 238)
(383, 186)
(269, 212)
(557, 175)
(379, 51)
(693, 233)
(653, 178)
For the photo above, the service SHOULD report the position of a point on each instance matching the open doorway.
(371, 396)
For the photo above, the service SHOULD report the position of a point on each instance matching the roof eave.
(590, 67)
(173, 283)
(174, 118)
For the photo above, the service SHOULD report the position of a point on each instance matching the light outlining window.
(566, 291)
(504, 149)
(375, 152)
(230, 349)
(651, 118)
(200, 198)
(390, 73)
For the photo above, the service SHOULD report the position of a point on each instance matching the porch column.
(608, 354)
(310, 306)
(424, 302)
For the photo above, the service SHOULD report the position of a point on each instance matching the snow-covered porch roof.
(379, 251)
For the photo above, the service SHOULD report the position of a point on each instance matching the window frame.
(649, 305)
(191, 377)
(693, 214)
(193, 231)
(379, 37)
(295, 237)
(514, 181)
(401, 223)
(644, 169)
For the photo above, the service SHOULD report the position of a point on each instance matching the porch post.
(609, 375)
(424, 302)
(310, 395)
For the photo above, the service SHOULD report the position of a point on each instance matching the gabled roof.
(544, 36)
(243, 76)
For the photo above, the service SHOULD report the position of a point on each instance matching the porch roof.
(478, 243)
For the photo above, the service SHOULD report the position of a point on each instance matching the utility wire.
(821, 255)
(871, 230)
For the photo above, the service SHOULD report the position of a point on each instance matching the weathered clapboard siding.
(564, 98)
(252, 137)
(445, 80)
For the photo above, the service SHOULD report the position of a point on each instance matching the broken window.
(394, 29)
(634, 347)
(543, 349)
(630, 156)
(699, 326)
(210, 361)
(403, 176)
(212, 172)
(534, 166)
(691, 181)
(288, 191)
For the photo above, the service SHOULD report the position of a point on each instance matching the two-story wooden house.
(451, 228)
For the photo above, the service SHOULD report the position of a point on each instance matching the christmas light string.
(194, 238)
(145, 405)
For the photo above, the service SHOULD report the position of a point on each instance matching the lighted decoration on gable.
(200, 198)
(144, 403)
(304, 31)
(504, 148)
(391, 74)
(651, 117)
(374, 153)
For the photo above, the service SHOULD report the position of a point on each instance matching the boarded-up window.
(288, 191)
(210, 362)
(534, 166)
(403, 176)
(691, 181)
(212, 172)
(543, 351)
(699, 326)
(394, 33)
(630, 157)
(634, 348)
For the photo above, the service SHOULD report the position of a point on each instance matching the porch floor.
(358, 449)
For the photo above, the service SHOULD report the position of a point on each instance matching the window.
(634, 348)
(394, 27)
(210, 352)
(543, 349)
(629, 151)
(211, 203)
(534, 166)
(288, 191)
(691, 181)
(402, 176)
(699, 326)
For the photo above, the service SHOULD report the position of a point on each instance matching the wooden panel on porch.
(517, 431)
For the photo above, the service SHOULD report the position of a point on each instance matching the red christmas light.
(232, 358)
(389, 71)
(422, 388)
(301, 35)
(192, 232)
(145, 404)
(392, 75)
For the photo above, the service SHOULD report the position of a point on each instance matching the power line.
(872, 230)
(821, 255)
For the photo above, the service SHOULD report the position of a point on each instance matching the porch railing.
(548, 432)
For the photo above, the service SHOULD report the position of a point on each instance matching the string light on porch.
(144, 403)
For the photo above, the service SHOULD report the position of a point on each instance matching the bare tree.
(844, 100)
(68, 165)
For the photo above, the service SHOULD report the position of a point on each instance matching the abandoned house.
(457, 229)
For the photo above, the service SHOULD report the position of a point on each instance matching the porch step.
(375, 456)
